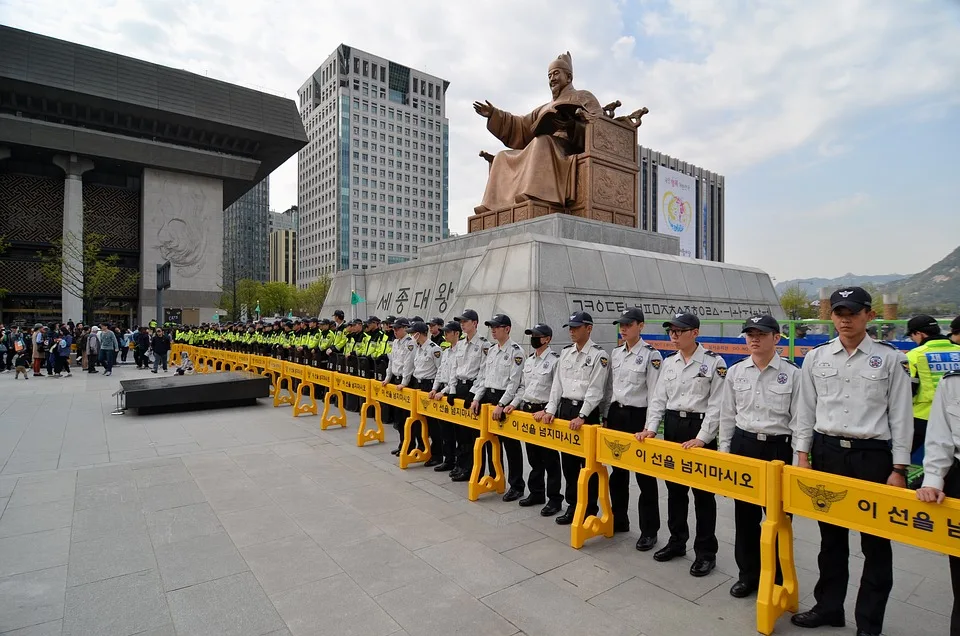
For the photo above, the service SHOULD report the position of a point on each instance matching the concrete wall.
(182, 223)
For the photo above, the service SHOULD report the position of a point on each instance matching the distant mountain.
(812, 285)
(935, 290)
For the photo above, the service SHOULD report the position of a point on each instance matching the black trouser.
(123, 353)
(951, 488)
(683, 429)
(571, 464)
(464, 435)
(513, 448)
(352, 402)
(138, 353)
(433, 425)
(746, 546)
(11, 354)
(919, 434)
(543, 461)
(869, 460)
(631, 419)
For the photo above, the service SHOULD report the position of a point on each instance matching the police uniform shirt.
(762, 402)
(501, 370)
(424, 362)
(634, 373)
(942, 445)
(443, 373)
(690, 387)
(536, 381)
(402, 349)
(466, 361)
(861, 396)
(580, 376)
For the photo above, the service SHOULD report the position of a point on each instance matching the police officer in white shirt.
(420, 372)
(856, 417)
(402, 349)
(576, 395)
(758, 414)
(451, 334)
(687, 397)
(634, 374)
(465, 369)
(497, 385)
(941, 465)
(532, 397)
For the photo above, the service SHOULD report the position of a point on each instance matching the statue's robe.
(540, 164)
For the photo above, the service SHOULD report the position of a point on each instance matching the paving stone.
(586, 577)
(288, 562)
(225, 496)
(157, 475)
(129, 604)
(301, 495)
(109, 557)
(108, 494)
(336, 527)
(112, 521)
(32, 598)
(41, 489)
(500, 539)
(473, 566)
(413, 529)
(449, 610)
(52, 628)
(258, 525)
(380, 564)
(165, 496)
(83, 461)
(7, 485)
(198, 559)
(543, 555)
(104, 475)
(36, 551)
(233, 605)
(334, 605)
(36, 518)
(185, 522)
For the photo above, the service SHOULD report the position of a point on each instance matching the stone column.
(73, 168)
(825, 303)
(891, 305)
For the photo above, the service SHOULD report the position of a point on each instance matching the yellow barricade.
(558, 436)
(273, 369)
(339, 385)
(311, 378)
(877, 509)
(284, 393)
(403, 398)
(242, 362)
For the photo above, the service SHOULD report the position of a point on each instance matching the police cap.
(852, 298)
(540, 329)
(579, 319)
(632, 314)
(683, 321)
(763, 322)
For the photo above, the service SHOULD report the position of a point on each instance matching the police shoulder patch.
(655, 363)
(518, 360)
(721, 372)
(603, 361)
(410, 347)
(437, 354)
(906, 366)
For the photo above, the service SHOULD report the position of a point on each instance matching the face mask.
(536, 342)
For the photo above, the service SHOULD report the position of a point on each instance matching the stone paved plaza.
(248, 521)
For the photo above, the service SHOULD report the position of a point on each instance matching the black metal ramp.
(173, 393)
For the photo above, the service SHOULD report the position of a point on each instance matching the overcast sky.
(835, 123)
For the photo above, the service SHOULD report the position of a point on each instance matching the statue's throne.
(606, 178)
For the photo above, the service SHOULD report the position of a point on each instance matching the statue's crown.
(564, 61)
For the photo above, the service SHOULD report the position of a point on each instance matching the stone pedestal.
(825, 303)
(891, 305)
(73, 167)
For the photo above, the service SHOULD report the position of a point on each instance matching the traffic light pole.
(163, 282)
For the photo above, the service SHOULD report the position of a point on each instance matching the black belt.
(858, 444)
(626, 407)
(466, 383)
(532, 407)
(762, 437)
(686, 415)
(415, 379)
(571, 402)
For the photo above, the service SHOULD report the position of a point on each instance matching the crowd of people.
(858, 407)
(55, 349)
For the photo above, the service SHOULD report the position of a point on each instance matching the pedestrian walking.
(160, 343)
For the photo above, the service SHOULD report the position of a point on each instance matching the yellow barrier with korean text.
(402, 398)
(312, 377)
(339, 385)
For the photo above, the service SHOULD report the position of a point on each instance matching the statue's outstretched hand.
(484, 109)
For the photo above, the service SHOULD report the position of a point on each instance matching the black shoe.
(621, 526)
(742, 589)
(461, 476)
(512, 495)
(395, 452)
(444, 467)
(645, 544)
(550, 509)
(669, 552)
(566, 518)
(702, 567)
(813, 618)
(532, 500)
(861, 632)
(433, 461)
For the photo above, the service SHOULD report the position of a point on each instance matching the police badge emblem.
(875, 362)
(782, 378)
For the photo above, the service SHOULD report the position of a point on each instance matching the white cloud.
(623, 47)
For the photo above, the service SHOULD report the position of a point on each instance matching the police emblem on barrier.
(782, 378)
(424, 403)
(875, 362)
(820, 497)
(617, 449)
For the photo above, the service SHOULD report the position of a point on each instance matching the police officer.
(448, 448)
(687, 397)
(941, 465)
(436, 330)
(577, 391)
(855, 418)
(634, 373)
(464, 371)
(497, 384)
(402, 349)
(933, 356)
(532, 397)
(955, 331)
(420, 372)
(758, 414)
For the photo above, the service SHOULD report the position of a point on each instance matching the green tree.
(276, 297)
(85, 271)
(796, 303)
(310, 300)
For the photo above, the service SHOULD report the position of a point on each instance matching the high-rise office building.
(283, 256)
(373, 177)
(286, 220)
(245, 231)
